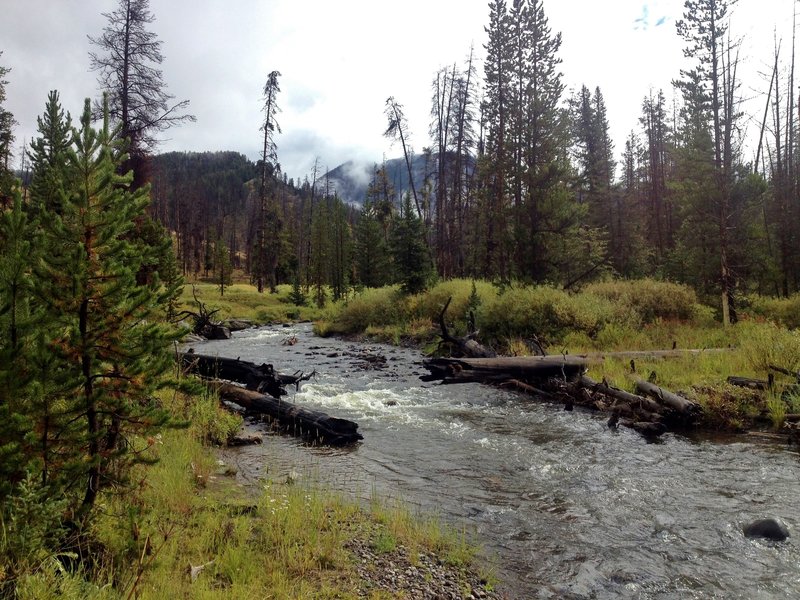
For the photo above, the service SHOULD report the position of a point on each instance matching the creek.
(562, 505)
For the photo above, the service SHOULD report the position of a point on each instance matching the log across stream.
(314, 425)
(651, 412)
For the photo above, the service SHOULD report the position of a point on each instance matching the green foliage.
(211, 423)
(30, 527)
(466, 295)
(647, 300)
(48, 155)
(372, 307)
(776, 407)
(767, 344)
(545, 312)
(411, 255)
(372, 259)
(297, 297)
(223, 270)
(785, 311)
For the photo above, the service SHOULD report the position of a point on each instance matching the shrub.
(648, 298)
(211, 423)
(429, 305)
(766, 344)
(546, 312)
(785, 311)
(376, 307)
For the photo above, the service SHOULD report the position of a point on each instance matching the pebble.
(424, 579)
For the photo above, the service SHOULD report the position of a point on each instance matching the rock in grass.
(769, 529)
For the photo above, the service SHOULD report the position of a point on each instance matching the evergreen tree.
(7, 124)
(321, 253)
(341, 249)
(704, 28)
(110, 348)
(223, 270)
(494, 164)
(372, 258)
(411, 256)
(268, 234)
(48, 155)
(18, 248)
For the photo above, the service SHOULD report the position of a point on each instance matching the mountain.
(351, 179)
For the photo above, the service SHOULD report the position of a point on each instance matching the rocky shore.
(426, 577)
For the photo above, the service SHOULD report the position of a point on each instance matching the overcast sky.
(341, 60)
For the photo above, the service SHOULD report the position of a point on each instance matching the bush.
(211, 423)
(766, 344)
(785, 311)
(376, 307)
(649, 299)
(430, 304)
(545, 312)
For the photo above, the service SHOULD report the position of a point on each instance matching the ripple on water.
(571, 509)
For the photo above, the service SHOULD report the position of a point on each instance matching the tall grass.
(784, 311)
(647, 300)
(242, 301)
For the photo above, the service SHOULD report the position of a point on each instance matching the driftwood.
(260, 379)
(310, 424)
(466, 346)
(795, 374)
(204, 324)
(682, 406)
(747, 382)
(562, 378)
(525, 369)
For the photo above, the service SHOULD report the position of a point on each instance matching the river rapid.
(563, 506)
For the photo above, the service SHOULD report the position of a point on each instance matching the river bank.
(565, 507)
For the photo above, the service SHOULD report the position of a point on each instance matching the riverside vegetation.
(605, 317)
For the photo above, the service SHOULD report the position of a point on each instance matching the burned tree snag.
(466, 346)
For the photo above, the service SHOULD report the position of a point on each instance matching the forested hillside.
(520, 181)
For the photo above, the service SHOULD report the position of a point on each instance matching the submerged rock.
(769, 529)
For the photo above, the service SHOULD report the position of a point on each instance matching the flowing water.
(565, 507)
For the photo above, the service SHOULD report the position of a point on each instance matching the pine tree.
(223, 270)
(411, 256)
(494, 164)
(704, 27)
(372, 259)
(7, 123)
(268, 233)
(48, 155)
(18, 251)
(111, 349)
(127, 62)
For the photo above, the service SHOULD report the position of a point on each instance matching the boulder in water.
(770, 529)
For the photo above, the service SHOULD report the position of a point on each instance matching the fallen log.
(261, 378)
(682, 406)
(313, 425)
(632, 399)
(747, 382)
(492, 370)
(777, 369)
